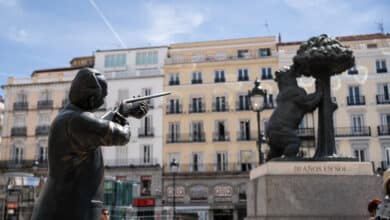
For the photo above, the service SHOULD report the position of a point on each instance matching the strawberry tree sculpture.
(322, 57)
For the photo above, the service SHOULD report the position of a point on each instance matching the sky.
(44, 34)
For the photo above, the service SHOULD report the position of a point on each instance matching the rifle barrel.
(136, 99)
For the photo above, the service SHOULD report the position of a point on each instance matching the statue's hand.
(135, 109)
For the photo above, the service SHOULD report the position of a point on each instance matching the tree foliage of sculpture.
(323, 57)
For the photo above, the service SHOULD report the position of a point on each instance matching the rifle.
(114, 114)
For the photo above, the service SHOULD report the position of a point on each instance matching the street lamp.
(174, 166)
(257, 96)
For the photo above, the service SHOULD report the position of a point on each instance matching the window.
(174, 106)
(372, 46)
(353, 71)
(360, 154)
(269, 101)
(219, 76)
(198, 58)
(266, 73)
(222, 161)
(114, 60)
(221, 133)
(45, 95)
(197, 131)
(42, 151)
(196, 77)
(354, 97)
(146, 58)
(243, 103)
(196, 105)
(146, 185)
(17, 152)
(381, 66)
(43, 119)
(173, 132)
(220, 55)
(246, 160)
(264, 52)
(197, 162)
(220, 104)
(19, 120)
(357, 123)
(383, 96)
(21, 97)
(384, 128)
(146, 126)
(242, 53)
(174, 79)
(146, 154)
(244, 132)
(243, 75)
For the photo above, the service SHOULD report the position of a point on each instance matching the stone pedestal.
(312, 190)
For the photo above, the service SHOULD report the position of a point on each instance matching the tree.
(322, 57)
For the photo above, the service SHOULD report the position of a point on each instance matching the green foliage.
(322, 56)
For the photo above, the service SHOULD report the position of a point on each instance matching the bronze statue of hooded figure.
(74, 187)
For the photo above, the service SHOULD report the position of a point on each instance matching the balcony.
(207, 59)
(185, 138)
(352, 131)
(196, 81)
(381, 70)
(19, 131)
(220, 137)
(174, 109)
(129, 163)
(212, 168)
(219, 80)
(382, 99)
(383, 130)
(42, 130)
(22, 164)
(45, 104)
(20, 106)
(145, 132)
(242, 106)
(356, 100)
(196, 109)
(246, 136)
(305, 133)
(243, 78)
(174, 82)
(218, 107)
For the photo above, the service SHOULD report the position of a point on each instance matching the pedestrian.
(105, 214)
(372, 207)
(383, 211)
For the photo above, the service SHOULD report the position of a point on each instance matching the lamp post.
(257, 96)
(174, 165)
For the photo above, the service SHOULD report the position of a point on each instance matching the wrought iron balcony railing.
(186, 138)
(211, 167)
(22, 164)
(197, 109)
(45, 104)
(196, 81)
(219, 80)
(218, 107)
(42, 130)
(381, 70)
(217, 137)
(118, 163)
(269, 105)
(242, 106)
(20, 106)
(356, 100)
(145, 132)
(174, 82)
(174, 109)
(383, 130)
(382, 99)
(353, 131)
(19, 131)
(305, 133)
